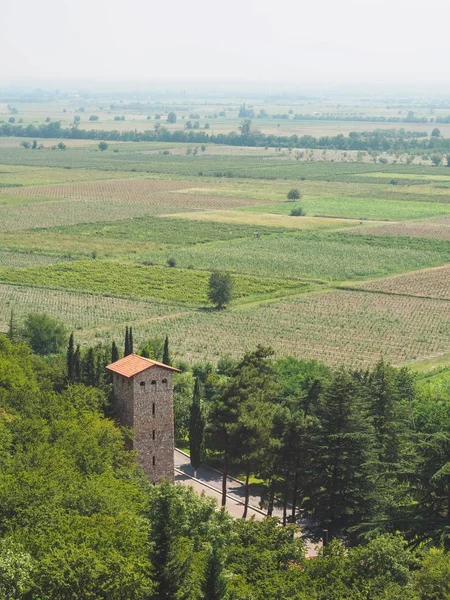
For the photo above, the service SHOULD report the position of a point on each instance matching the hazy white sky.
(287, 41)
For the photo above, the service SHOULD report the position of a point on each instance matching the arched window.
(142, 384)
(164, 382)
(154, 382)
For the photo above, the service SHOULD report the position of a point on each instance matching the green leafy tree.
(433, 577)
(220, 289)
(294, 194)
(196, 429)
(44, 334)
(245, 127)
(103, 146)
(171, 117)
(16, 571)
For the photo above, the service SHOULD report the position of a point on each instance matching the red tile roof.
(131, 365)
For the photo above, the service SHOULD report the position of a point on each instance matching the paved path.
(235, 488)
(209, 482)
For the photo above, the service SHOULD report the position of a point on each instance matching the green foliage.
(341, 495)
(220, 289)
(103, 146)
(166, 354)
(433, 578)
(140, 281)
(16, 570)
(297, 212)
(294, 194)
(196, 429)
(44, 334)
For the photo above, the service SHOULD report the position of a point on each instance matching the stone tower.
(143, 391)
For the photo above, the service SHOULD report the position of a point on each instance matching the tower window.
(153, 409)
(154, 382)
(164, 382)
(142, 384)
(154, 434)
(154, 461)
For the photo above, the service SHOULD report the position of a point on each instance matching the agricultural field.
(80, 311)
(436, 229)
(358, 208)
(340, 326)
(86, 236)
(331, 257)
(9, 258)
(141, 281)
(429, 283)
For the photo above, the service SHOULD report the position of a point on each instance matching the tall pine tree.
(341, 486)
(196, 429)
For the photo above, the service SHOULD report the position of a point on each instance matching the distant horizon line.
(179, 85)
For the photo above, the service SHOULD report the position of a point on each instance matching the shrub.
(294, 194)
(298, 212)
(171, 262)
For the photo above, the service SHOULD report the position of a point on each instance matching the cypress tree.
(77, 364)
(130, 341)
(98, 370)
(89, 367)
(126, 350)
(71, 359)
(114, 352)
(196, 429)
(166, 354)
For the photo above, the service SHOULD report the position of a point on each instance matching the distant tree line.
(378, 140)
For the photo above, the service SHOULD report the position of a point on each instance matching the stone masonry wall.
(145, 402)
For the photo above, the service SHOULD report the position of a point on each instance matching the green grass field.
(359, 208)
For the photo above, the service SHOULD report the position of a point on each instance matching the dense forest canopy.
(364, 455)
